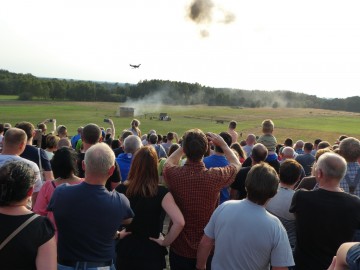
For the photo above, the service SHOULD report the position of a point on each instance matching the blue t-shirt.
(218, 161)
(87, 217)
(124, 161)
(74, 140)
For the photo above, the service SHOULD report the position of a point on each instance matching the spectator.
(34, 246)
(132, 143)
(135, 127)
(65, 169)
(309, 182)
(218, 159)
(270, 143)
(316, 144)
(76, 137)
(290, 171)
(43, 128)
(234, 135)
(324, 144)
(145, 247)
(258, 155)
(322, 223)
(51, 145)
(61, 131)
(1, 136)
(250, 142)
(35, 154)
(14, 144)
(123, 136)
(91, 135)
(350, 149)
(64, 142)
(89, 203)
(237, 147)
(194, 188)
(307, 159)
(160, 150)
(251, 238)
(169, 142)
(299, 147)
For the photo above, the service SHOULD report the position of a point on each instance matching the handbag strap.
(19, 229)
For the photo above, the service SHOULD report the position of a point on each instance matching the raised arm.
(175, 157)
(177, 218)
(112, 126)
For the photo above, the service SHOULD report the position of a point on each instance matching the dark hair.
(290, 171)
(91, 134)
(288, 142)
(308, 146)
(173, 148)
(143, 175)
(27, 127)
(232, 124)
(115, 144)
(1, 128)
(62, 130)
(41, 126)
(227, 138)
(317, 141)
(170, 136)
(153, 138)
(64, 163)
(261, 183)
(16, 178)
(195, 144)
(125, 134)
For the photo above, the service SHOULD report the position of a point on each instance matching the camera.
(51, 120)
(106, 120)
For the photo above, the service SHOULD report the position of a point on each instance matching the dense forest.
(27, 86)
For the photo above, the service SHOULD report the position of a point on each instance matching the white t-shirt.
(38, 182)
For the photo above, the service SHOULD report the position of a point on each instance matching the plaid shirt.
(353, 168)
(196, 192)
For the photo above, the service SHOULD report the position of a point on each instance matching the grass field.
(305, 124)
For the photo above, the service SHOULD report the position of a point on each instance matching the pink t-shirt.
(44, 197)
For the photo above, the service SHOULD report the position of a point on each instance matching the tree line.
(27, 86)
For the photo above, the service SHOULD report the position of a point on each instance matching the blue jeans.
(83, 267)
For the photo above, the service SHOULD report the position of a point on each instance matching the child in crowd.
(268, 139)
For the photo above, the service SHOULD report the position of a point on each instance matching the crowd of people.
(95, 200)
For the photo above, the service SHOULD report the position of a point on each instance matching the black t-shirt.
(239, 183)
(114, 178)
(20, 253)
(324, 220)
(147, 222)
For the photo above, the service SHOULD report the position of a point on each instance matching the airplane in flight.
(135, 66)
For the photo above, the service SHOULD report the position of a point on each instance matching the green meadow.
(305, 124)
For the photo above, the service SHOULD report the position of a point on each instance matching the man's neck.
(86, 146)
(9, 152)
(286, 186)
(95, 180)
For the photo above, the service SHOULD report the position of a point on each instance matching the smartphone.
(106, 120)
(50, 120)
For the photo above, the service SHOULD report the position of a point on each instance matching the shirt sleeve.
(41, 203)
(45, 162)
(281, 254)
(209, 229)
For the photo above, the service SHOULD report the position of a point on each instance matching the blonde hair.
(267, 126)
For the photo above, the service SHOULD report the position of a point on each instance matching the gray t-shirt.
(279, 206)
(247, 237)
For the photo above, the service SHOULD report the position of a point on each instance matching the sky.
(310, 47)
